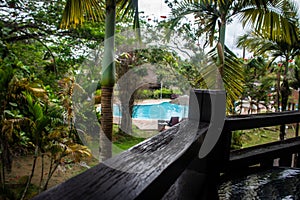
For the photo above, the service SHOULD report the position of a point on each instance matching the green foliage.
(37, 63)
(156, 94)
(98, 92)
(279, 73)
(237, 139)
(31, 103)
(233, 76)
(258, 82)
(145, 94)
(123, 140)
(164, 93)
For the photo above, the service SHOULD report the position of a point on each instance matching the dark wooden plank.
(148, 170)
(260, 153)
(242, 122)
(145, 171)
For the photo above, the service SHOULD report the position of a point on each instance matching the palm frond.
(129, 8)
(257, 43)
(205, 14)
(77, 11)
(261, 43)
(182, 9)
(233, 77)
(272, 17)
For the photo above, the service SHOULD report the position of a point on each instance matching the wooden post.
(203, 107)
(267, 163)
(200, 179)
(286, 161)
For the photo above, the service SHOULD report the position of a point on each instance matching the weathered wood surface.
(261, 153)
(242, 122)
(145, 171)
(167, 165)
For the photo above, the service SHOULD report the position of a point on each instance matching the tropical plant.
(278, 49)
(74, 14)
(51, 137)
(212, 16)
(295, 83)
(33, 56)
(258, 84)
(260, 44)
(13, 138)
(38, 122)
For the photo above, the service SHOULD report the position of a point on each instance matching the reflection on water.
(272, 184)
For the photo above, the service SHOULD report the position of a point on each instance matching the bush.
(166, 93)
(98, 92)
(97, 97)
(145, 94)
(236, 139)
(177, 91)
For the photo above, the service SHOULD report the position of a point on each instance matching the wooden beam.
(242, 122)
(145, 171)
(263, 153)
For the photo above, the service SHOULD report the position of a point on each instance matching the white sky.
(155, 8)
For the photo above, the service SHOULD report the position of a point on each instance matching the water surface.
(163, 111)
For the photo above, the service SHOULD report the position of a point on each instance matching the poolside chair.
(163, 125)
(173, 121)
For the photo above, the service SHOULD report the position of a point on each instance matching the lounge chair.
(173, 121)
(163, 125)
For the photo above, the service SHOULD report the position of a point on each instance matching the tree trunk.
(42, 173)
(297, 126)
(278, 92)
(258, 108)
(32, 172)
(285, 92)
(52, 170)
(127, 108)
(106, 124)
(108, 64)
(107, 82)
(221, 52)
(125, 96)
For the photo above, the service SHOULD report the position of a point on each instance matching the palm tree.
(74, 14)
(296, 85)
(212, 16)
(278, 48)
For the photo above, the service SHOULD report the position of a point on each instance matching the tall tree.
(74, 14)
(212, 16)
(278, 48)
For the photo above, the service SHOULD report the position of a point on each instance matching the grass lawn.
(247, 138)
(123, 141)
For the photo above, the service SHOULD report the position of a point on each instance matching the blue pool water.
(162, 111)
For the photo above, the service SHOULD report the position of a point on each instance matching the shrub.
(177, 91)
(165, 92)
(145, 94)
(236, 139)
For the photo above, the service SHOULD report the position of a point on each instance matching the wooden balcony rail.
(167, 166)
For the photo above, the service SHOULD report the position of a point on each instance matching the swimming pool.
(163, 111)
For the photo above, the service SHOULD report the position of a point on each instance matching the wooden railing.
(167, 166)
(266, 153)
